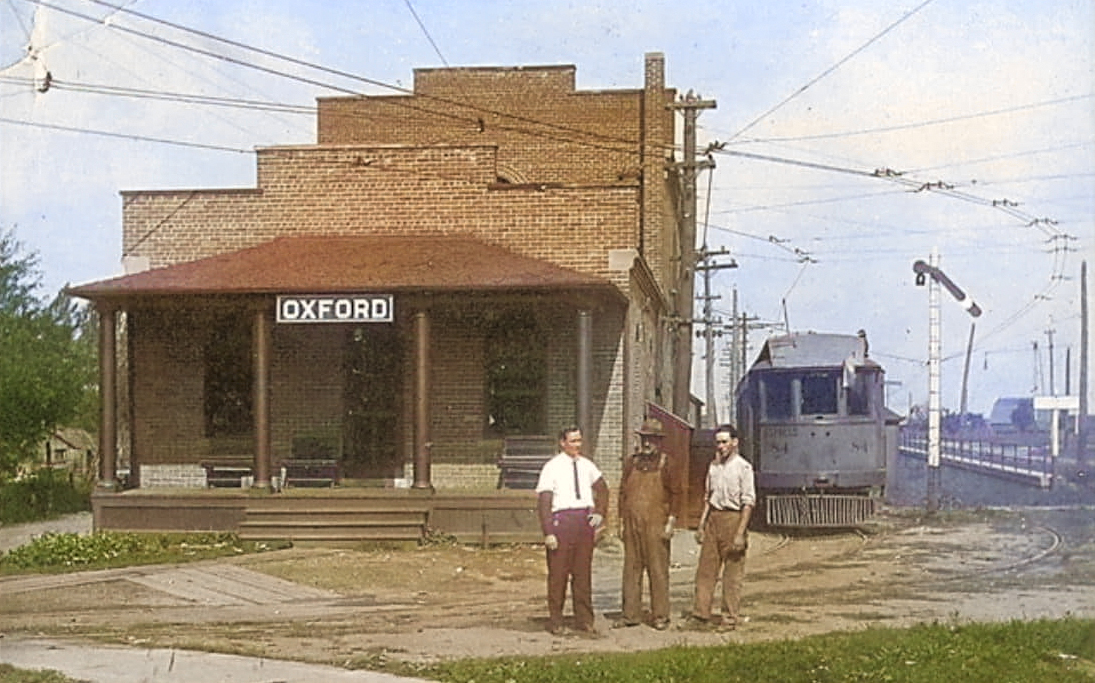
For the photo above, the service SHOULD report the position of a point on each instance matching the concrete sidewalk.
(118, 664)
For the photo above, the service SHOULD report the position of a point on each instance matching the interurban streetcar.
(813, 421)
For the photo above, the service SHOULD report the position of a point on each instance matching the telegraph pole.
(964, 407)
(1049, 334)
(1081, 438)
(708, 266)
(690, 106)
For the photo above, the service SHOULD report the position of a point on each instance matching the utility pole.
(964, 407)
(690, 106)
(1081, 438)
(1049, 334)
(708, 266)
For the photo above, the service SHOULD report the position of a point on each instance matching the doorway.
(374, 390)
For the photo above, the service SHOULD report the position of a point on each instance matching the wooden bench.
(522, 459)
(310, 472)
(227, 472)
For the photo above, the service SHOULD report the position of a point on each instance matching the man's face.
(572, 443)
(650, 445)
(725, 445)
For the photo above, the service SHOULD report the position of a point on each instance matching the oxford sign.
(335, 308)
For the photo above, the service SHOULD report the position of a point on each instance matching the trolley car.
(813, 421)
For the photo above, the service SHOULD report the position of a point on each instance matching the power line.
(833, 68)
(425, 32)
(921, 124)
(298, 62)
(126, 136)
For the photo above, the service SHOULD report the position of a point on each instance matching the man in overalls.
(650, 501)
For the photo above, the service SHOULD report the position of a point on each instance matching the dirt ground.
(361, 607)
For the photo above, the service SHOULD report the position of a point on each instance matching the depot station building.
(486, 259)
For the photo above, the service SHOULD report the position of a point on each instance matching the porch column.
(261, 333)
(422, 401)
(108, 397)
(585, 378)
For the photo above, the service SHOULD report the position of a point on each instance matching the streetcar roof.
(812, 350)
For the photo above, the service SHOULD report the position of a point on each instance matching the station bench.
(227, 472)
(310, 472)
(522, 459)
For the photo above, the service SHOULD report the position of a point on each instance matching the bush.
(45, 494)
(52, 552)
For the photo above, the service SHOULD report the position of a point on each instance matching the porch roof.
(331, 264)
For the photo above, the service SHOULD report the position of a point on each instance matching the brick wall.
(584, 181)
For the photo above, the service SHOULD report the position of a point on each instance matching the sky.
(850, 139)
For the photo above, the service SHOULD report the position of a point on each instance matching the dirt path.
(344, 606)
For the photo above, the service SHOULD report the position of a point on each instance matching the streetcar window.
(777, 397)
(819, 396)
(859, 394)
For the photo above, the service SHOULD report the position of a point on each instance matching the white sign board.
(1056, 402)
(335, 308)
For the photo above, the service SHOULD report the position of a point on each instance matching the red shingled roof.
(316, 264)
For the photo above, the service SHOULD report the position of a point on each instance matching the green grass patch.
(1061, 651)
(10, 674)
(57, 553)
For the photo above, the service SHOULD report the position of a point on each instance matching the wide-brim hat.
(650, 427)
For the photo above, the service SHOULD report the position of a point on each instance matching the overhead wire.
(425, 32)
(433, 112)
(878, 36)
(597, 136)
(124, 136)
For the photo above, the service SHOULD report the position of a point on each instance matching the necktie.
(577, 490)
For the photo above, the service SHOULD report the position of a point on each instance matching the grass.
(1062, 651)
(10, 674)
(57, 553)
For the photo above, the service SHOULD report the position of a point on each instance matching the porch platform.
(337, 516)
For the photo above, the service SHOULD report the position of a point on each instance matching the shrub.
(44, 494)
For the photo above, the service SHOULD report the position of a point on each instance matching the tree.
(47, 368)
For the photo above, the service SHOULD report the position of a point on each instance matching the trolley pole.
(924, 271)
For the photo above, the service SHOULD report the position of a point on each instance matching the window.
(819, 396)
(777, 396)
(516, 375)
(228, 376)
(859, 394)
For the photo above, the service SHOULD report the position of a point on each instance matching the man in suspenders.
(650, 501)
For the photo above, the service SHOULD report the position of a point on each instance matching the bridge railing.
(1021, 461)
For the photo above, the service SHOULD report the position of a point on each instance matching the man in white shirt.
(572, 501)
(729, 498)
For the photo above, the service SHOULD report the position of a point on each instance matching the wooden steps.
(338, 521)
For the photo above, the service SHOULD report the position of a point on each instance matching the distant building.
(72, 449)
(1018, 414)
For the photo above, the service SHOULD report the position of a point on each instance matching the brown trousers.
(715, 553)
(571, 563)
(646, 550)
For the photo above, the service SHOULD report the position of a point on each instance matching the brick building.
(491, 254)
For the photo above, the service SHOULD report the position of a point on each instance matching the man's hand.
(699, 535)
(596, 520)
(670, 523)
(551, 542)
(737, 544)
